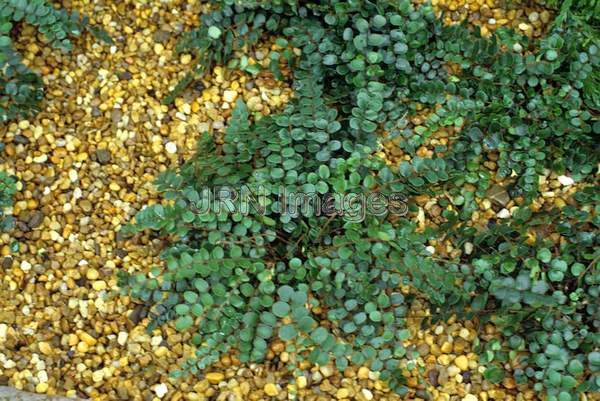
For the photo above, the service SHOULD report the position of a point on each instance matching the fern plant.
(325, 277)
(21, 89)
(7, 191)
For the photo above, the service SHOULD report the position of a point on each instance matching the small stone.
(464, 333)
(468, 248)
(138, 313)
(122, 338)
(41, 388)
(42, 376)
(7, 262)
(215, 377)
(470, 397)
(462, 362)
(498, 194)
(443, 376)
(423, 350)
(326, 370)
(565, 181)
(40, 159)
(363, 373)
(171, 147)
(533, 17)
(367, 394)
(123, 76)
(545, 16)
(524, 27)
(21, 140)
(503, 214)
(159, 49)
(86, 338)
(301, 382)
(98, 375)
(342, 393)
(160, 390)
(229, 96)
(453, 370)
(517, 47)
(161, 36)
(25, 266)
(45, 348)
(432, 375)
(185, 59)
(116, 116)
(36, 218)
(99, 285)
(86, 205)
(271, 390)
(103, 156)
(92, 274)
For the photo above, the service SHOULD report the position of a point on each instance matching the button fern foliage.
(329, 284)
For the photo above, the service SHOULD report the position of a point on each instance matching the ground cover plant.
(328, 283)
(7, 191)
(21, 89)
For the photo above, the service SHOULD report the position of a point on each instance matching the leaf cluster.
(7, 191)
(328, 282)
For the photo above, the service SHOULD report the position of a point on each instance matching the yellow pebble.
(271, 389)
(301, 382)
(45, 348)
(215, 377)
(92, 274)
(89, 340)
(342, 393)
(41, 388)
(363, 372)
(99, 285)
(462, 362)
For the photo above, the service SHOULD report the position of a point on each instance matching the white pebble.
(229, 96)
(503, 214)
(122, 338)
(517, 47)
(171, 147)
(492, 21)
(565, 181)
(42, 376)
(367, 394)
(40, 159)
(25, 266)
(160, 390)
